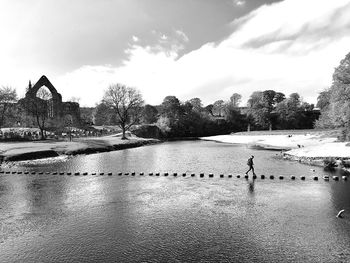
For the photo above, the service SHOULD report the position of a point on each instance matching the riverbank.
(20, 151)
(306, 146)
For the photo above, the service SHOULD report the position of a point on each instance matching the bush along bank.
(328, 163)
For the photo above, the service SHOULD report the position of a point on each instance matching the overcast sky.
(187, 48)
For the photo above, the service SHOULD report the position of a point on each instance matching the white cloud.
(135, 38)
(290, 46)
(169, 44)
(239, 2)
(182, 35)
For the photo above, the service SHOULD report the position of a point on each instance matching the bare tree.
(39, 108)
(8, 97)
(127, 104)
(68, 125)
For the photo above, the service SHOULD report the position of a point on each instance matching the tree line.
(265, 110)
(269, 109)
(124, 106)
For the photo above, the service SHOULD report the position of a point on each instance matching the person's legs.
(253, 170)
(250, 167)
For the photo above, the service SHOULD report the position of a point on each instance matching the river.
(101, 218)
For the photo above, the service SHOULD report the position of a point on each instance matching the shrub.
(329, 163)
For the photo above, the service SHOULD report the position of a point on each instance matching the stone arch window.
(45, 95)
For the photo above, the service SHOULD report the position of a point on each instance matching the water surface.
(60, 218)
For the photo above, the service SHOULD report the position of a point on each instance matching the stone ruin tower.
(58, 111)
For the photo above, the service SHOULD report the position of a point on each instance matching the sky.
(187, 48)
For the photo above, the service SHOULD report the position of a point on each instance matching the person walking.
(250, 164)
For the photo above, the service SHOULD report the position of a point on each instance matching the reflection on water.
(47, 218)
(251, 187)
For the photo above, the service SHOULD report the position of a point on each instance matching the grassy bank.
(20, 151)
(306, 146)
(324, 133)
(279, 140)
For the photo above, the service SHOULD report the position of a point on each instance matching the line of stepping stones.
(210, 175)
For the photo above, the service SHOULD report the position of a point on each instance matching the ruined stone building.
(58, 113)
